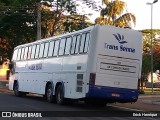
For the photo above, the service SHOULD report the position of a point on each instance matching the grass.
(148, 91)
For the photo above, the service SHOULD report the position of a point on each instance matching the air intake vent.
(79, 87)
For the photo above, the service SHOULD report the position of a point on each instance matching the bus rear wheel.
(49, 94)
(16, 90)
(60, 95)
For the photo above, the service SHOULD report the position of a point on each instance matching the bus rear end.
(116, 64)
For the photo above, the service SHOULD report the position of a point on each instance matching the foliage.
(54, 15)
(76, 22)
(11, 3)
(17, 25)
(156, 56)
(18, 21)
(146, 65)
(61, 17)
(112, 14)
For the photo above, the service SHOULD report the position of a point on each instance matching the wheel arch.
(47, 84)
(60, 83)
(15, 82)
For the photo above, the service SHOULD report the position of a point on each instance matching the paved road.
(144, 103)
(32, 103)
(36, 103)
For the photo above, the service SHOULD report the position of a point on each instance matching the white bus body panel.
(61, 69)
(117, 64)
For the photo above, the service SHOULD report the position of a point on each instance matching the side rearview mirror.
(10, 66)
(1, 60)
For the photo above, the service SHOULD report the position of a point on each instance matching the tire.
(49, 94)
(60, 95)
(24, 94)
(17, 93)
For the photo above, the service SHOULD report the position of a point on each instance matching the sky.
(142, 11)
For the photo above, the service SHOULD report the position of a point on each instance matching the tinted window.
(15, 54)
(46, 49)
(73, 45)
(56, 48)
(37, 51)
(77, 44)
(82, 43)
(86, 42)
(19, 54)
(29, 52)
(22, 54)
(25, 53)
(68, 46)
(62, 46)
(51, 48)
(33, 51)
(41, 50)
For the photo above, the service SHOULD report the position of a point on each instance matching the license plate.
(115, 95)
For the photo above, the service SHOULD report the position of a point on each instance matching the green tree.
(54, 14)
(112, 14)
(146, 68)
(18, 21)
(17, 24)
(156, 45)
(55, 21)
(76, 22)
(146, 61)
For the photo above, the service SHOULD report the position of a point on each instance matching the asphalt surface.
(144, 103)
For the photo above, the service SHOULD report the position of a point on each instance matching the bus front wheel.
(16, 90)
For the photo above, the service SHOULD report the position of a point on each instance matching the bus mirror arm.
(10, 66)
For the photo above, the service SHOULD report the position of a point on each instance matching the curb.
(5, 89)
(4, 86)
(146, 96)
(153, 102)
(4, 83)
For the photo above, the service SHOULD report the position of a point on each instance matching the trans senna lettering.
(35, 66)
(120, 48)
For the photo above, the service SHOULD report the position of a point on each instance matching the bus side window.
(82, 43)
(46, 49)
(62, 46)
(73, 44)
(56, 48)
(22, 54)
(41, 50)
(68, 46)
(33, 51)
(29, 52)
(86, 42)
(25, 53)
(77, 44)
(19, 54)
(51, 48)
(15, 54)
(37, 51)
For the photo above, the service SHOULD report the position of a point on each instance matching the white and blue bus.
(100, 63)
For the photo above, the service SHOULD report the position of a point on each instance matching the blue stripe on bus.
(112, 94)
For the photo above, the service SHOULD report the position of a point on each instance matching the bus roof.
(67, 34)
(57, 37)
